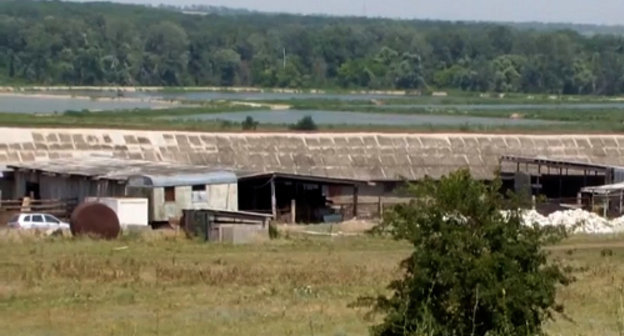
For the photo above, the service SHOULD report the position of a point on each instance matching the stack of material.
(575, 221)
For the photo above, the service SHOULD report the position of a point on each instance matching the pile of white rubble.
(575, 221)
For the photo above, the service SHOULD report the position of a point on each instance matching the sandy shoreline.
(195, 89)
(157, 101)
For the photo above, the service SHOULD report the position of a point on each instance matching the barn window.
(199, 193)
(170, 195)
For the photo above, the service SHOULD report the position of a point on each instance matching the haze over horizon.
(551, 11)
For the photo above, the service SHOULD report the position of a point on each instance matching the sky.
(609, 12)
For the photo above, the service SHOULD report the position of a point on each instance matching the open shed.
(295, 198)
(555, 178)
(607, 199)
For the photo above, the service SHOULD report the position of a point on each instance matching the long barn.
(378, 161)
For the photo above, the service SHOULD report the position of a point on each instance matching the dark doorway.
(32, 190)
(310, 196)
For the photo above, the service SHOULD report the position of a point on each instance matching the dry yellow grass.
(167, 285)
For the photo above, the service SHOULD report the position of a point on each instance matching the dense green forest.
(55, 42)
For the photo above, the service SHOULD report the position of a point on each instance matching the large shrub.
(305, 124)
(473, 270)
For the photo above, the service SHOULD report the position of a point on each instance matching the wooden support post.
(293, 211)
(579, 199)
(381, 207)
(621, 201)
(537, 186)
(273, 200)
(206, 228)
(560, 182)
(606, 206)
(356, 191)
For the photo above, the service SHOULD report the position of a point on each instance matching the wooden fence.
(367, 209)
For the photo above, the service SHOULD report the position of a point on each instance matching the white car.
(40, 221)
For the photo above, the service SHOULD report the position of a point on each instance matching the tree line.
(51, 42)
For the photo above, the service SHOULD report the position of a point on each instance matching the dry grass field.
(168, 285)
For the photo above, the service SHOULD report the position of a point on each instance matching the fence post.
(356, 191)
(206, 234)
(381, 207)
(273, 199)
(293, 211)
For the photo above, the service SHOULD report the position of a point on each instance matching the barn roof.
(356, 156)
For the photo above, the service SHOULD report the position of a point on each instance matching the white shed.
(172, 193)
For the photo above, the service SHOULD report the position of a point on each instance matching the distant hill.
(585, 29)
(207, 10)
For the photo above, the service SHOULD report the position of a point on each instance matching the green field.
(159, 284)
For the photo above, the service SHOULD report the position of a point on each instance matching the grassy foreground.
(167, 285)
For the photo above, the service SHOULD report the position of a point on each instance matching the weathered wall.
(367, 156)
(222, 196)
(64, 187)
(219, 197)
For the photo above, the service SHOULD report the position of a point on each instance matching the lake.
(45, 104)
(508, 107)
(362, 118)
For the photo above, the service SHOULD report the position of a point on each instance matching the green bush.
(473, 270)
(249, 124)
(273, 232)
(75, 113)
(305, 124)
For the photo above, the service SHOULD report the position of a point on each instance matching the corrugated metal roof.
(604, 189)
(300, 177)
(152, 173)
(218, 177)
(557, 163)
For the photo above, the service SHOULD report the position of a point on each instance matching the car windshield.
(14, 219)
(51, 219)
(27, 219)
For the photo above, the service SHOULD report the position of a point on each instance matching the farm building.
(169, 187)
(378, 162)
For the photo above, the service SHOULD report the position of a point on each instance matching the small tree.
(249, 124)
(305, 124)
(473, 271)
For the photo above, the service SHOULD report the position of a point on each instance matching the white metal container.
(132, 212)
